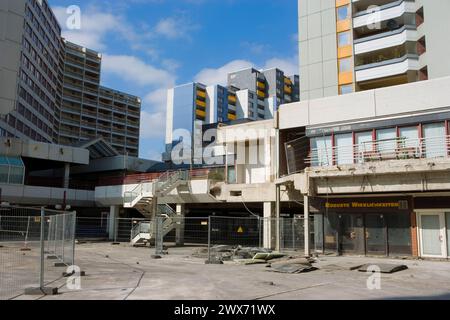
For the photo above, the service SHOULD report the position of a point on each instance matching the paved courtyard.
(122, 272)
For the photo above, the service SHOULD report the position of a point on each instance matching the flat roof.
(44, 151)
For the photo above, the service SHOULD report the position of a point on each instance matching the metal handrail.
(381, 150)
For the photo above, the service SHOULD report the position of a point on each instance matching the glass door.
(447, 226)
(432, 235)
(351, 234)
(376, 240)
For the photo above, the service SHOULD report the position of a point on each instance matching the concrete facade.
(50, 88)
(347, 46)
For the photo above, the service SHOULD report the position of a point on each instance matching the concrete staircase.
(144, 232)
(142, 198)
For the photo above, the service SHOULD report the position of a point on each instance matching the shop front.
(370, 226)
(433, 221)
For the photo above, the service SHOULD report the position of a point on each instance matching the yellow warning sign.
(240, 230)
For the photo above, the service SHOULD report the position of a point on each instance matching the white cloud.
(219, 75)
(136, 71)
(176, 27)
(95, 26)
(289, 65)
(211, 76)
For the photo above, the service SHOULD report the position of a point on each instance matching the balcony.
(381, 150)
(201, 103)
(261, 94)
(201, 94)
(388, 68)
(385, 12)
(385, 40)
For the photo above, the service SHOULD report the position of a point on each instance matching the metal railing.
(34, 244)
(381, 150)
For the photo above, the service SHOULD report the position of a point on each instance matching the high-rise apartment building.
(271, 86)
(31, 70)
(89, 110)
(50, 89)
(348, 46)
(251, 94)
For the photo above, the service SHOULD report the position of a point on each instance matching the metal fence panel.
(26, 236)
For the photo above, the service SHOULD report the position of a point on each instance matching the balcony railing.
(381, 150)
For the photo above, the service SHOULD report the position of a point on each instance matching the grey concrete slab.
(122, 272)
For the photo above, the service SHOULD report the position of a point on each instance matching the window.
(387, 139)
(344, 151)
(364, 144)
(343, 13)
(345, 65)
(344, 39)
(434, 135)
(346, 89)
(321, 151)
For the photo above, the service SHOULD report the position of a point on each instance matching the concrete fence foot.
(48, 291)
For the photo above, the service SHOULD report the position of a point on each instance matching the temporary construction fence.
(34, 244)
(252, 231)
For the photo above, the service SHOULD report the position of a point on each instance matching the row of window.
(35, 104)
(26, 113)
(53, 64)
(37, 25)
(427, 140)
(26, 130)
(38, 75)
(36, 4)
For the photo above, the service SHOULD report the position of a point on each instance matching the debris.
(342, 266)
(156, 257)
(268, 256)
(249, 262)
(214, 261)
(383, 267)
(292, 268)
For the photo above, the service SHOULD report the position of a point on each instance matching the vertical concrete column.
(268, 225)
(66, 176)
(306, 220)
(278, 216)
(181, 213)
(113, 216)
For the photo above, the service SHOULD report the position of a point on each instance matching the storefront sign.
(361, 205)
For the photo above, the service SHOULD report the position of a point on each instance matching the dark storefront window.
(399, 233)
(330, 225)
(364, 233)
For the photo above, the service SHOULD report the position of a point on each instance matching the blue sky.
(149, 46)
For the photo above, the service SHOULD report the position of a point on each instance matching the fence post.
(293, 234)
(209, 239)
(41, 268)
(74, 223)
(63, 236)
(56, 235)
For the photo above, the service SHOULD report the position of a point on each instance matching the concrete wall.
(29, 195)
(318, 49)
(11, 32)
(408, 99)
(45, 151)
(435, 28)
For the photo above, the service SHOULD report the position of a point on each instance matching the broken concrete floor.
(122, 272)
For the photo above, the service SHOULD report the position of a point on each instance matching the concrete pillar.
(268, 225)
(66, 176)
(113, 219)
(307, 232)
(278, 216)
(179, 235)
